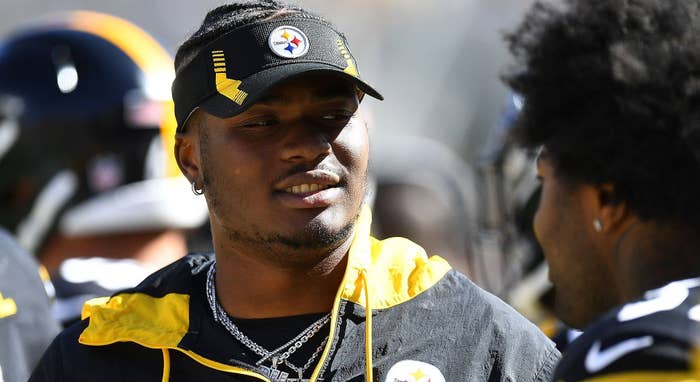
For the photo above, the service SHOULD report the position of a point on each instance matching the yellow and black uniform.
(425, 322)
(652, 339)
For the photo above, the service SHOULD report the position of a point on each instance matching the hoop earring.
(197, 191)
(597, 225)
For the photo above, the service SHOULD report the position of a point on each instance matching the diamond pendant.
(273, 374)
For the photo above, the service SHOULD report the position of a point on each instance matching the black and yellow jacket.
(398, 316)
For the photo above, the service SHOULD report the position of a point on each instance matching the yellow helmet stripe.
(143, 49)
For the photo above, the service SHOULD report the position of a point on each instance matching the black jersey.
(652, 339)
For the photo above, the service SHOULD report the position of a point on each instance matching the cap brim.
(258, 84)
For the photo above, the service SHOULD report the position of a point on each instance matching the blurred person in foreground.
(85, 179)
(612, 96)
(26, 327)
(266, 98)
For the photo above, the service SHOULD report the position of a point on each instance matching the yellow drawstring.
(166, 365)
(368, 328)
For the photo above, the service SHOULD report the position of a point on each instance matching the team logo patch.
(414, 371)
(288, 42)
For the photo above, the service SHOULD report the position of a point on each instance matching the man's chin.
(317, 235)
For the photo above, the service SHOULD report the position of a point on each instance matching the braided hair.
(231, 16)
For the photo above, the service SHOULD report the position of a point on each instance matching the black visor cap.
(237, 69)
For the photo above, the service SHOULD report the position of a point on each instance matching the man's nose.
(306, 144)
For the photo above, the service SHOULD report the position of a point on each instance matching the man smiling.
(284, 206)
(267, 99)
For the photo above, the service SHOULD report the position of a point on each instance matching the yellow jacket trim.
(221, 366)
(151, 321)
(166, 356)
(166, 366)
(397, 269)
(143, 49)
(331, 335)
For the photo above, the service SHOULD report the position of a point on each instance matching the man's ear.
(612, 215)
(187, 155)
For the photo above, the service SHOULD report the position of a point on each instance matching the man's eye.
(261, 123)
(336, 117)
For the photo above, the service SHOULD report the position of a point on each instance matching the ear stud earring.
(597, 225)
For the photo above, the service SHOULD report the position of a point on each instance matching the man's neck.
(651, 257)
(250, 287)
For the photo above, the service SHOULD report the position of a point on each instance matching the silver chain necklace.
(273, 356)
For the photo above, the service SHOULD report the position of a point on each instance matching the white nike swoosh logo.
(597, 360)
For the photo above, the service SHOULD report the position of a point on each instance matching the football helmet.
(86, 132)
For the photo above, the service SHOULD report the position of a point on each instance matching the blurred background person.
(26, 325)
(610, 97)
(422, 189)
(86, 179)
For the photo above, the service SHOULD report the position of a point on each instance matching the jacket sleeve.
(546, 371)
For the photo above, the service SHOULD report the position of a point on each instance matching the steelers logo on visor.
(288, 42)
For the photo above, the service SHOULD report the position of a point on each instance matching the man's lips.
(308, 181)
(309, 189)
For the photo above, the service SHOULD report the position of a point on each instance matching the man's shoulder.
(458, 290)
(466, 325)
(176, 277)
(657, 334)
(400, 257)
(156, 313)
(68, 359)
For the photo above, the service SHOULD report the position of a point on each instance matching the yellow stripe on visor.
(152, 59)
